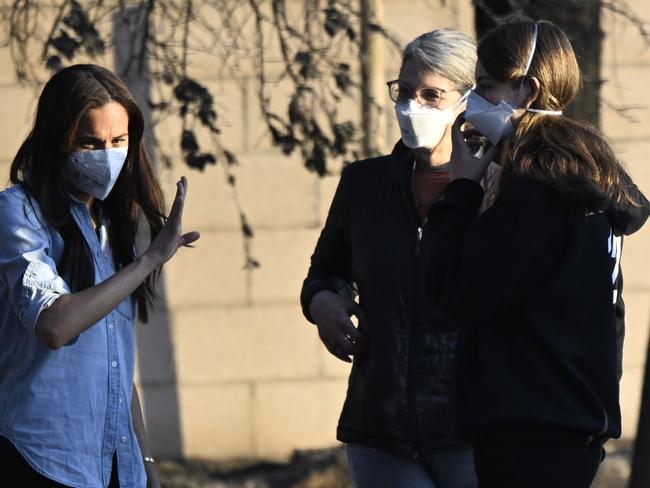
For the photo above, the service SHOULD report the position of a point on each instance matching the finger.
(491, 153)
(355, 309)
(357, 348)
(353, 346)
(457, 138)
(352, 333)
(348, 347)
(336, 353)
(179, 200)
(189, 238)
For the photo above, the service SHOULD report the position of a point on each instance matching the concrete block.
(633, 156)
(284, 255)
(425, 16)
(155, 356)
(240, 344)
(332, 367)
(296, 415)
(235, 48)
(5, 166)
(8, 74)
(210, 274)
(622, 90)
(217, 421)
(16, 117)
(463, 15)
(635, 263)
(229, 104)
(274, 192)
(623, 44)
(277, 191)
(210, 204)
(161, 412)
(630, 398)
(637, 327)
(326, 192)
(636, 267)
(279, 92)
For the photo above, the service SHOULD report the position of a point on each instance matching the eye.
(430, 94)
(119, 141)
(86, 145)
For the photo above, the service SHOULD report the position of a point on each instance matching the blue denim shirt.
(67, 410)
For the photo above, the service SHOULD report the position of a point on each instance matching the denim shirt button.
(123, 439)
(110, 326)
(114, 364)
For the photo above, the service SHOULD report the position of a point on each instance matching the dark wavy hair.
(40, 167)
(569, 155)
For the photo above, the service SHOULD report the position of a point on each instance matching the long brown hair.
(571, 156)
(40, 167)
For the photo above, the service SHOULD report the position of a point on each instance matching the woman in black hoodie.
(533, 282)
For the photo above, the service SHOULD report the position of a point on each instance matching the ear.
(531, 89)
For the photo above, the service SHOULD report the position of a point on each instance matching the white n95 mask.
(493, 121)
(422, 126)
(95, 172)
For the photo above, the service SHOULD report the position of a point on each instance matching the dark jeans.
(14, 467)
(515, 457)
(376, 468)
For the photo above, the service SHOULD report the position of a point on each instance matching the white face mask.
(422, 126)
(494, 121)
(95, 172)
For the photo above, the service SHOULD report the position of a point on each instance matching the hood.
(624, 217)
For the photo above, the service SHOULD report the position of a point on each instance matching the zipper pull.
(417, 244)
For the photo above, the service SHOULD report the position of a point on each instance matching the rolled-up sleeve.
(27, 270)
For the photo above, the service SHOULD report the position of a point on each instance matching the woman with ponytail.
(534, 282)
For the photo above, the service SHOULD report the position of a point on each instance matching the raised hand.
(170, 237)
(463, 163)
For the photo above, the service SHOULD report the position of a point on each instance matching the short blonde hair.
(447, 52)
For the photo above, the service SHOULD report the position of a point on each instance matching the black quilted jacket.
(397, 395)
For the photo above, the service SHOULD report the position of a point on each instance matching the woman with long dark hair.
(533, 282)
(70, 282)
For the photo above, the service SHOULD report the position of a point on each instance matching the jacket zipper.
(411, 396)
(411, 400)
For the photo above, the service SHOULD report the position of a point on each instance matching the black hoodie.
(534, 285)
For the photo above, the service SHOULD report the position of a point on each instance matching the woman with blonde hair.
(396, 420)
(533, 282)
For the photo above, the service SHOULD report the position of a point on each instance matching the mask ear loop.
(465, 96)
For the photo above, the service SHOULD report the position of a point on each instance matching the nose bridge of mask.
(415, 110)
(421, 126)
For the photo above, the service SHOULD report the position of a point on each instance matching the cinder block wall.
(228, 367)
(626, 121)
